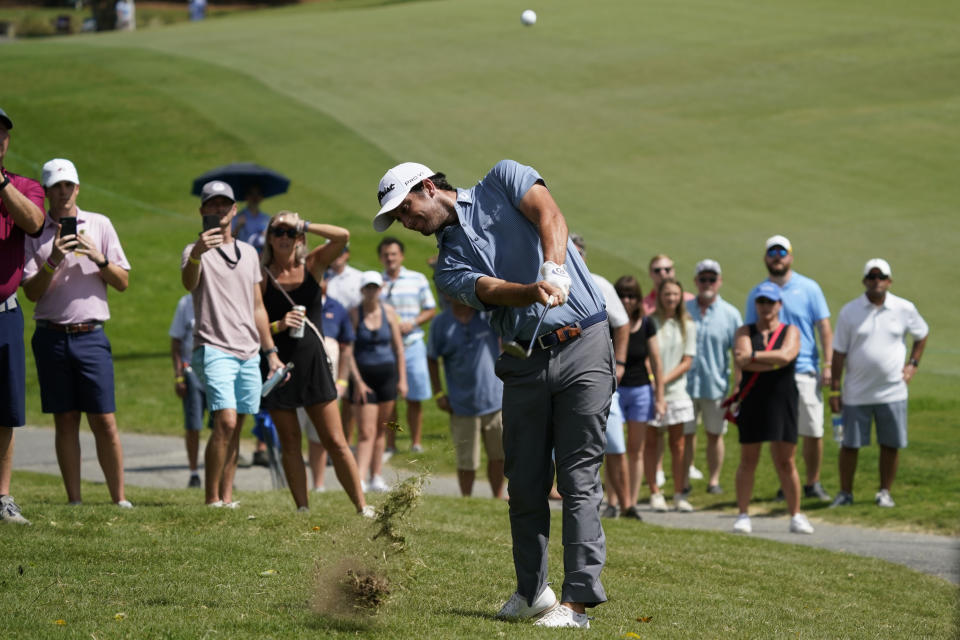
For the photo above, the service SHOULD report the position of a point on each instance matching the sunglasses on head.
(876, 276)
(765, 301)
(777, 252)
(284, 231)
(662, 269)
(707, 279)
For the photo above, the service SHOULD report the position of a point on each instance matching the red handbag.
(732, 404)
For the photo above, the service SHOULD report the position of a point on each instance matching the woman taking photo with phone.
(294, 303)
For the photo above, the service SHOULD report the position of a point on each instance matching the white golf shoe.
(742, 524)
(800, 524)
(658, 502)
(563, 617)
(516, 608)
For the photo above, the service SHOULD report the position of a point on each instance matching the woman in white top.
(676, 336)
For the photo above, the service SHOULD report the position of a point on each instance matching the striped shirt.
(409, 294)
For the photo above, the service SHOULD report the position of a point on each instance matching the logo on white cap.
(59, 170)
(394, 187)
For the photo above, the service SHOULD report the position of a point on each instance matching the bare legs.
(636, 436)
(676, 441)
(326, 418)
(782, 454)
(6, 459)
(618, 482)
(465, 478)
(372, 429)
(109, 451)
(715, 453)
(888, 463)
(192, 439)
(220, 457)
(812, 457)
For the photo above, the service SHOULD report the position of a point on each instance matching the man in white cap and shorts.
(870, 343)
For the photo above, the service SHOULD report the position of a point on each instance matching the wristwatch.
(103, 265)
(272, 349)
(914, 362)
(5, 181)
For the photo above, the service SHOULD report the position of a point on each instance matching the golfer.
(504, 248)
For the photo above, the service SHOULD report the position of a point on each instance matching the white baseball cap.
(59, 170)
(779, 241)
(707, 265)
(877, 263)
(371, 277)
(394, 187)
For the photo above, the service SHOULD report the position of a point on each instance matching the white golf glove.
(556, 275)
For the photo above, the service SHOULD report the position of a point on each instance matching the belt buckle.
(71, 328)
(540, 344)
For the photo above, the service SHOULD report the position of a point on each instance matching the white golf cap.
(59, 170)
(394, 187)
(707, 265)
(779, 241)
(371, 277)
(877, 263)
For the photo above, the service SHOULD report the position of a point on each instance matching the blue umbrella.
(243, 175)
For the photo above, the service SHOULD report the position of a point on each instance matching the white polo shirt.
(873, 339)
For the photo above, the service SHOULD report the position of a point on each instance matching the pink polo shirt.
(11, 236)
(76, 293)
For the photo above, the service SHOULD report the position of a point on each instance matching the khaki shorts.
(810, 406)
(466, 432)
(712, 415)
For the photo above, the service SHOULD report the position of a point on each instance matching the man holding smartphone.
(231, 328)
(21, 212)
(67, 272)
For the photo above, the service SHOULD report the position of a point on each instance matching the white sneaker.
(883, 499)
(516, 608)
(658, 502)
(215, 505)
(231, 505)
(125, 504)
(694, 473)
(681, 504)
(320, 489)
(10, 511)
(363, 486)
(800, 524)
(377, 485)
(368, 512)
(742, 524)
(563, 617)
(661, 478)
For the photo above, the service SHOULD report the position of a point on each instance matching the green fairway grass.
(175, 569)
(696, 129)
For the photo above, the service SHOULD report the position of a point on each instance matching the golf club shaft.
(536, 329)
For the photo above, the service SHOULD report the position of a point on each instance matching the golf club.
(515, 349)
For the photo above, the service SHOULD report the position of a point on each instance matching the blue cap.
(768, 290)
(5, 120)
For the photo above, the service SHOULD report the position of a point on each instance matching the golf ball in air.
(528, 17)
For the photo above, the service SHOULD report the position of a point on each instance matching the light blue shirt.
(493, 238)
(251, 229)
(182, 327)
(803, 306)
(469, 352)
(710, 373)
(409, 294)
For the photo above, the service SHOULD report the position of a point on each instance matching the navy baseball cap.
(5, 120)
(768, 290)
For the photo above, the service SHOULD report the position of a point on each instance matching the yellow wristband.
(178, 379)
(48, 268)
(438, 394)
(835, 394)
(193, 260)
(775, 367)
(341, 382)
(275, 326)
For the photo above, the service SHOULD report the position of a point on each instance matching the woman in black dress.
(768, 408)
(288, 265)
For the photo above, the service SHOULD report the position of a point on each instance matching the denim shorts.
(615, 442)
(13, 366)
(231, 383)
(891, 420)
(418, 376)
(636, 403)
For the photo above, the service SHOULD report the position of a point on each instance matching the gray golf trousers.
(557, 401)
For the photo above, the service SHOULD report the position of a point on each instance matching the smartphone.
(68, 227)
(211, 222)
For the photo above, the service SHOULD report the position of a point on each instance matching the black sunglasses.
(281, 231)
(707, 279)
(876, 276)
(777, 252)
(662, 269)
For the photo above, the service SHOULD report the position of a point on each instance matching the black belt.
(567, 333)
(80, 327)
